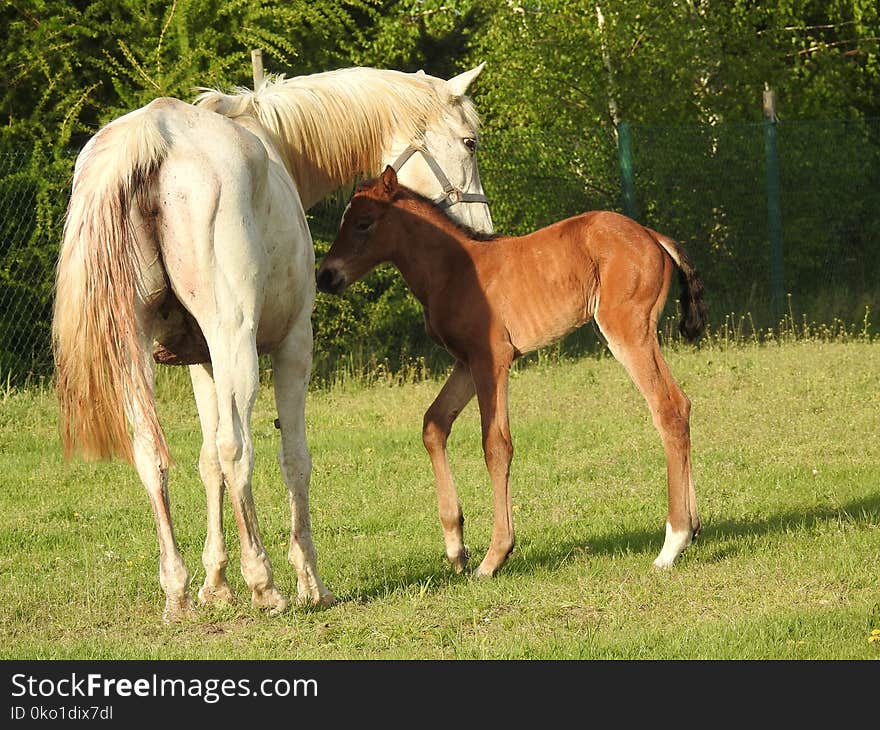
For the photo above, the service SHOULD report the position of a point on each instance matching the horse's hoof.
(271, 600)
(311, 591)
(323, 600)
(177, 608)
(318, 597)
(215, 594)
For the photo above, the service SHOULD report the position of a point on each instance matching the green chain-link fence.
(709, 187)
(27, 256)
(704, 185)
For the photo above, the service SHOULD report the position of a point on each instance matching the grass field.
(786, 448)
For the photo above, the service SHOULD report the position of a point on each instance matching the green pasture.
(786, 449)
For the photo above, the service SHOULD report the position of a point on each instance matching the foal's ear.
(389, 180)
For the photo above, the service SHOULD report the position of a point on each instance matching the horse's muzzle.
(330, 281)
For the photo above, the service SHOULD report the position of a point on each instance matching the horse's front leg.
(292, 365)
(453, 397)
(491, 375)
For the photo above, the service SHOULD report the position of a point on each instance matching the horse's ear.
(458, 85)
(389, 179)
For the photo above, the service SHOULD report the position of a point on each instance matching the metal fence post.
(627, 179)
(774, 207)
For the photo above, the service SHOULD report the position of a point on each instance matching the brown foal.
(487, 301)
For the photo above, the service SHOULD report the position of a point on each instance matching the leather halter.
(451, 194)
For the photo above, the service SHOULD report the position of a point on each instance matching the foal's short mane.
(404, 192)
(340, 121)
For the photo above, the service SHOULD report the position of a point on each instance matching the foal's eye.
(471, 144)
(362, 226)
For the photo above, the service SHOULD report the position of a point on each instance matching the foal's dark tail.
(693, 319)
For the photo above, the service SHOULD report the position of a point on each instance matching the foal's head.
(362, 241)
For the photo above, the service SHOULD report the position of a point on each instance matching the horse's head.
(360, 243)
(442, 164)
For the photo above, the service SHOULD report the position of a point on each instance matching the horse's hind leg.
(453, 397)
(291, 365)
(632, 339)
(236, 376)
(173, 576)
(214, 555)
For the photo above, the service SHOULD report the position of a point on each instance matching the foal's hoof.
(271, 600)
(215, 594)
(484, 572)
(674, 545)
(177, 608)
(459, 562)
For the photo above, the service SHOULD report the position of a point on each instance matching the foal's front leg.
(491, 375)
(453, 397)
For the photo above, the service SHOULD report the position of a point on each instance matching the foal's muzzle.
(330, 280)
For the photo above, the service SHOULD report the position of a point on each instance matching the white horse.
(186, 241)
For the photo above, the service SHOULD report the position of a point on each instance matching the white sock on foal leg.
(673, 546)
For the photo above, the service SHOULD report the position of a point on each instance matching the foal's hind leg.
(453, 397)
(214, 555)
(632, 339)
(292, 364)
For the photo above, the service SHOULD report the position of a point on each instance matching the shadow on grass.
(717, 542)
(724, 537)
(431, 575)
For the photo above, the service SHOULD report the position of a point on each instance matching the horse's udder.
(180, 353)
(178, 337)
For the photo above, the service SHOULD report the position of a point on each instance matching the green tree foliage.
(686, 61)
(687, 75)
(72, 66)
(69, 67)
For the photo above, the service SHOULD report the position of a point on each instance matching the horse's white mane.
(339, 122)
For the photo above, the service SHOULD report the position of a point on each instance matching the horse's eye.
(363, 225)
(471, 144)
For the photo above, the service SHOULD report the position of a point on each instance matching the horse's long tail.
(693, 319)
(102, 372)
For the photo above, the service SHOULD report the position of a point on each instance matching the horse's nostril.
(328, 281)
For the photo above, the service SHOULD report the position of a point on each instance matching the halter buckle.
(451, 194)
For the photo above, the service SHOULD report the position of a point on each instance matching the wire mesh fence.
(27, 257)
(704, 185)
(708, 186)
